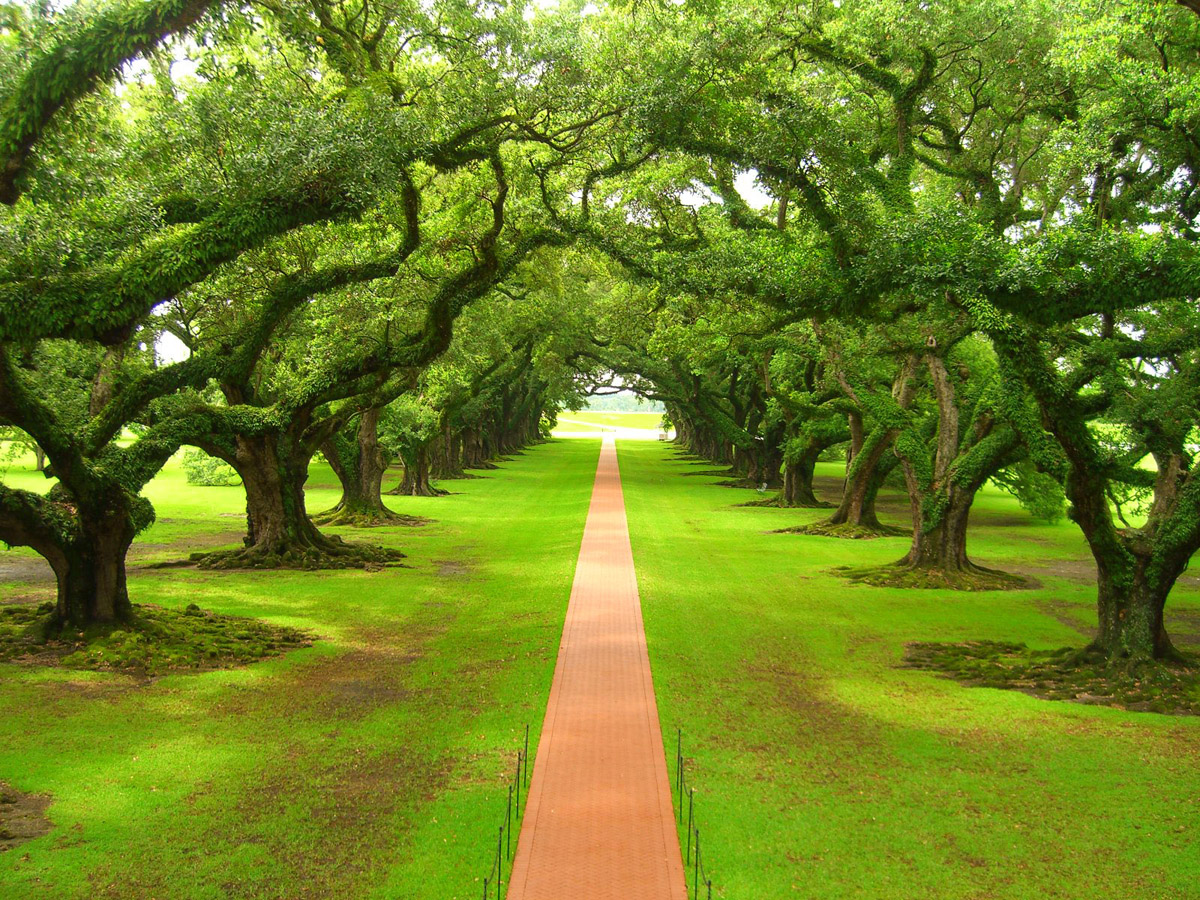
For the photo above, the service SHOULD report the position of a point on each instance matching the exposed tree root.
(846, 531)
(777, 502)
(749, 483)
(1169, 686)
(975, 578)
(332, 553)
(403, 490)
(367, 518)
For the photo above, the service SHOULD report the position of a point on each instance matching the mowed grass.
(372, 765)
(826, 770)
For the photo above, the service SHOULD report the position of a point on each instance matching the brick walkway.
(599, 823)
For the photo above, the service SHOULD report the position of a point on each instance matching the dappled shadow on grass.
(1065, 674)
(155, 642)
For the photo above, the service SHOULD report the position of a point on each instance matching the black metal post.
(499, 863)
(696, 869)
(681, 788)
(691, 820)
(508, 825)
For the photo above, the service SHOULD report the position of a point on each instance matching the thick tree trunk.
(870, 468)
(91, 574)
(943, 547)
(1130, 610)
(40, 458)
(475, 453)
(798, 481)
(416, 481)
(359, 466)
(274, 477)
(273, 469)
(447, 458)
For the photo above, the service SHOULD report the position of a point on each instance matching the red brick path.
(599, 824)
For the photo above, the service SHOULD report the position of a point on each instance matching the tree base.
(846, 531)
(749, 483)
(368, 518)
(1170, 686)
(154, 641)
(780, 503)
(429, 491)
(331, 554)
(975, 578)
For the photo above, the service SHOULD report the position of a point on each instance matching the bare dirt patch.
(25, 570)
(22, 816)
(453, 568)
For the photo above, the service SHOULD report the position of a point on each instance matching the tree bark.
(91, 575)
(798, 481)
(359, 465)
(871, 466)
(85, 541)
(274, 476)
(415, 482)
(1130, 607)
(273, 469)
(943, 547)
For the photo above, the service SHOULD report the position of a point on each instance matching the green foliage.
(208, 471)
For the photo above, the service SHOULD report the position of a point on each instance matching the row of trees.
(973, 259)
(410, 230)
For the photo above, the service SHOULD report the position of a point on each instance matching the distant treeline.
(622, 402)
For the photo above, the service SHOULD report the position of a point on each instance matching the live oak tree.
(244, 171)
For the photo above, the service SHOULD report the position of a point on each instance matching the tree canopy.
(951, 242)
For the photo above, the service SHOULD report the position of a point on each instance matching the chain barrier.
(693, 857)
(493, 884)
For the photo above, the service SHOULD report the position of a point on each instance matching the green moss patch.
(845, 531)
(923, 578)
(1065, 674)
(156, 641)
(335, 555)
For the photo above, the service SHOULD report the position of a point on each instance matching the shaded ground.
(155, 641)
(1063, 675)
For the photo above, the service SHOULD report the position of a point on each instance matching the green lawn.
(372, 765)
(824, 770)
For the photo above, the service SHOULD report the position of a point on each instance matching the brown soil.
(22, 817)
(453, 568)
(31, 570)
